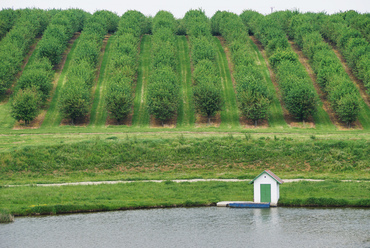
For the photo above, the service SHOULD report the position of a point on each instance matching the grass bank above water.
(69, 199)
(179, 157)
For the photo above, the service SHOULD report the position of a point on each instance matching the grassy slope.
(185, 113)
(99, 114)
(53, 117)
(193, 156)
(229, 115)
(141, 116)
(52, 200)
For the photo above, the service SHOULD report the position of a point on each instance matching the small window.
(265, 176)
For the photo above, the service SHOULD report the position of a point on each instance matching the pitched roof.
(271, 174)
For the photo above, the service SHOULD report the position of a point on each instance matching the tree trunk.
(162, 123)
(255, 123)
(209, 120)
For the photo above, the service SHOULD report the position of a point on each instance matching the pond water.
(194, 227)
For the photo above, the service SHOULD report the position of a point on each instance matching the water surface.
(194, 227)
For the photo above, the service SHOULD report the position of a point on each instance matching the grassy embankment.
(69, 199)
(185, 113)
(141, 116)
(131, 157)
(229, 114)
(99, 113)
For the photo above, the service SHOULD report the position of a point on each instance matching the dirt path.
(175, 180)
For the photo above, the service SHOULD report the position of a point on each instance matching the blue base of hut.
(244, 204)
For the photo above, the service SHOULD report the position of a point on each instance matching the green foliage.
(208, 99)
(25, 105)
(253, 95)
(132, 22)
(330, 73)
(8, 17)
(122, 67)
(119, 99)
(163, 98)
(349, 31)
(15, 45)
(202, 49)
(75, 100)
(298, 92)
(207, 93)
(38, 79)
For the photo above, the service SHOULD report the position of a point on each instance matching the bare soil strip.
(326, 104)
(288, 118)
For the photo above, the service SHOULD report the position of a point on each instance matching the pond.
(194, 227)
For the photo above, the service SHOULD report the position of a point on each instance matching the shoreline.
(180, 206)
(34, 201)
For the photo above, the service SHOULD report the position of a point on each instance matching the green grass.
(124, 157)
(185, 113)
(53, 116)
(68, 199)
(141, 116)
(229, 115)
(6, 120)
(99, 114)
(364, 116)
(325, 194)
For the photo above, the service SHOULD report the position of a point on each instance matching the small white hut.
(266, 188)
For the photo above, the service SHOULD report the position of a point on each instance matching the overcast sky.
(179, 8)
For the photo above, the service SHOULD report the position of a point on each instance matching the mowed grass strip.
(99, 114)
(185, 113)
(229, 115)
(141, 116)
(68, 199)
(53, 116)
(276, 116)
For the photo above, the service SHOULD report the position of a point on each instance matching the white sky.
(179, 8)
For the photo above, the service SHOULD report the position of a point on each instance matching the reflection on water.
(194, 227)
